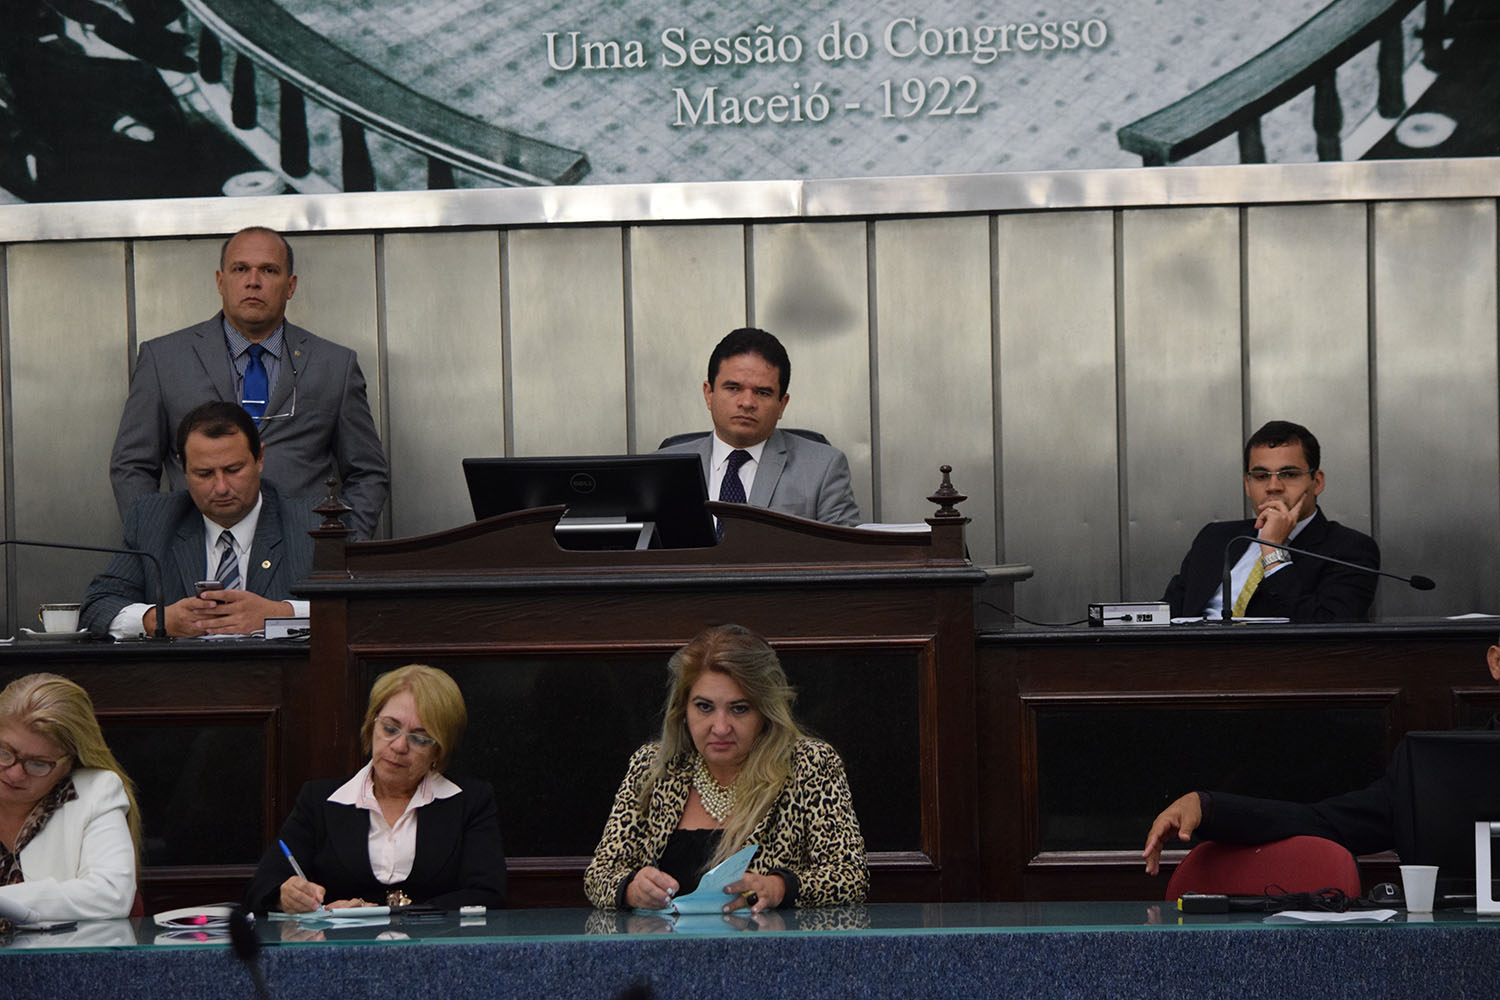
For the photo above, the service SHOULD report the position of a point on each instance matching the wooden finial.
(332, 508)
(947, 498)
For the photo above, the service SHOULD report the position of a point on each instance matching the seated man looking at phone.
(230, 545)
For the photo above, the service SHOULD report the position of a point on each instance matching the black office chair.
(667, 442)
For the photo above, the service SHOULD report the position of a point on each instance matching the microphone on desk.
(1415, 581)
(161, 611)
(247, 947)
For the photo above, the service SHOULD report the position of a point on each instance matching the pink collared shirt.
(393, 849)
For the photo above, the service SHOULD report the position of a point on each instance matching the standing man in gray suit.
(229, 525)
(306, 394)
(747, 458)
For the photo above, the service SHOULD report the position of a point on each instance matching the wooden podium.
(562, 654)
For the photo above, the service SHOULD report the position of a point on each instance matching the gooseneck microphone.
(161, 611)
(1415, 581)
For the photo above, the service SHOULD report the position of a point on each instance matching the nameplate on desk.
(288, 628)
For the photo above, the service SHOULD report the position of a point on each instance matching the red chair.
(1296, 864)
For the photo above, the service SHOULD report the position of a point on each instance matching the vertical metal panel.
(68, 382)
(687, 289)
(567, 337)
(935, 381)
(444, 372)
(1056, 372)
(1180, 330)
(1308, 339)
(1435, 384)
(335, 297)
(812, 292)
(174, 285)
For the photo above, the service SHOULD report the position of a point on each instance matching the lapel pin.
(266, 564)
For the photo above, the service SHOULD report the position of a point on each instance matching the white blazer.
(82, 865)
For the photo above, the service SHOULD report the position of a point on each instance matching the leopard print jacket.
(810, 831)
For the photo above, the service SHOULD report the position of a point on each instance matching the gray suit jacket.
(170, 527)
(795, 476)
(330, 431)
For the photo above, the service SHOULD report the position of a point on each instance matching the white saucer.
(29, 636)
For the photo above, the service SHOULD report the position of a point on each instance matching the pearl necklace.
(717, 800)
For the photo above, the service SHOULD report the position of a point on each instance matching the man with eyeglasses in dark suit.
(306, 394)
(1283, 480)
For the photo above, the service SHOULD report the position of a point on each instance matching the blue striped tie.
(228, 574)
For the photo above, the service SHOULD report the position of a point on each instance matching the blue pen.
(292, 861)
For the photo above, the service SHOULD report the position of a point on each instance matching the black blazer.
(459, 862)
(1308, 590)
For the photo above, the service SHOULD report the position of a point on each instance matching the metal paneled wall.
(687, 289)
(1436, 411)
(445, 379)
(935, 385)
(1090, 374)
(67, 326)
(1180, 352)
(174, 285)
(1055, 368)
(812, 292)
(1308, 339)
(566, 341)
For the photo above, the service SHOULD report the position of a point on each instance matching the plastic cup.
(1419, 883)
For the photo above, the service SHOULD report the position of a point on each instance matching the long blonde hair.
(747, 659)
(63, 712)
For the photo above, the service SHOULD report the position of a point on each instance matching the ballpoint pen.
(292, 861)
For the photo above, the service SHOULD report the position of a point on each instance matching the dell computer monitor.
(1453, 781)
(668, 489)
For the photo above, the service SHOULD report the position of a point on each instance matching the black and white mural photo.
(111, 99)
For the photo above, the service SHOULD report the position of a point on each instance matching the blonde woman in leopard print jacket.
(732, 768)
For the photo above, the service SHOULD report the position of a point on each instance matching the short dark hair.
(1279, 432)
(749, 340)
(291, 267)
(216, 419)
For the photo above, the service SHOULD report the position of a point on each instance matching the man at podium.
(747, 458)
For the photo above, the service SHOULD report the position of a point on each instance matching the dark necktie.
(731, 490)
(256, 390)
(228, 573)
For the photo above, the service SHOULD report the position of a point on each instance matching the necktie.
(228, 573)
(1257, 573)
(256, 388)
(731, 490)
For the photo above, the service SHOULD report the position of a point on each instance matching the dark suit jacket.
(459, 862)
(1309, 590)
(170, 527)
(795, 476)
(331, 432)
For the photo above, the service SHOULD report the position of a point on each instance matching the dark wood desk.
(1085, 734)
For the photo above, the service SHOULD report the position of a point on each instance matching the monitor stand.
(594, 533)
(1484, 888)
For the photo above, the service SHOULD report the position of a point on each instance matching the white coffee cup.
(59, 617)
(1419, 884)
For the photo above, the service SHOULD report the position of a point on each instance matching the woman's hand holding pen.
(298, 895)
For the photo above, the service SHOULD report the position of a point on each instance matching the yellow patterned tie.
(1257, 573)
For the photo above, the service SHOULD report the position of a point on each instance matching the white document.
(709, 897)
(1324, 917)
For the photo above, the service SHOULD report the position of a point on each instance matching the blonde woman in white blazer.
(69, 826)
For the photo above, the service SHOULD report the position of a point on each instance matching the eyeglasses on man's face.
(390, 732)
(37, 767)
(1291, 475)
